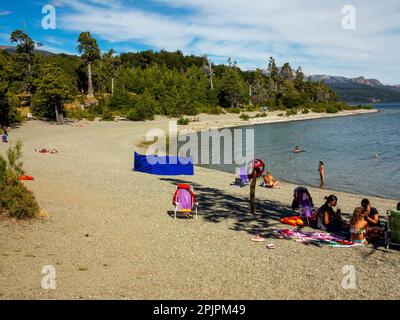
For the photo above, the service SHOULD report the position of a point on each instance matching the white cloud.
(304, 32)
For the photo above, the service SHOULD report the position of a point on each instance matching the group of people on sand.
(364, 226)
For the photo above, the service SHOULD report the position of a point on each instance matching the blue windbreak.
(164, 165)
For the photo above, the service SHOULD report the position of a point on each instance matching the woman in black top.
(328, 219)
(372, 217)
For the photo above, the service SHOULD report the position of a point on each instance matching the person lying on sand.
(52, 151)
(270, 181)
(328, 219)
(359, 226)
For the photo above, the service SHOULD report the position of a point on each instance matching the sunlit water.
(361, 153)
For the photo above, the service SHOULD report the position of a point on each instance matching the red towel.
(26, 178)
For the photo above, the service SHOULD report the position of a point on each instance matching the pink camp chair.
(185, 201)
(302, 200)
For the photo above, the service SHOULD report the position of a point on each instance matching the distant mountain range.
(360, 89)
(11, 49)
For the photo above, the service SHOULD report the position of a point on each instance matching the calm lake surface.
(347, 145)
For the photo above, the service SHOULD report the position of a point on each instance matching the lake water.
(347, 145)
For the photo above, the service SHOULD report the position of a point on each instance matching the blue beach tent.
(164, 165)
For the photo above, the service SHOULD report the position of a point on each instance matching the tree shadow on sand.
(216, 206)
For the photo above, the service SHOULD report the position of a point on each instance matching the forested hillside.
(141, 85)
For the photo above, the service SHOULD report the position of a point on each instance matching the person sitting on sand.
(270, 181)
(328, 219)
(359, 226)
(372, 218)
(4, 136)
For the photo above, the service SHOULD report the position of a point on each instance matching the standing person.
(321, 171)
(398, 206)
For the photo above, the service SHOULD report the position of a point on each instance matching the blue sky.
(306, 33)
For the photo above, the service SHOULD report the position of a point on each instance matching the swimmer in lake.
(297, 149)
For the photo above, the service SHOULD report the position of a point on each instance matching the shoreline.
(233, 120)
(306, 117)
(108, 231)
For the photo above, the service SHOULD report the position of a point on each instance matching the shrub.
(18, 202)
(261, 115)
(252, 108)
(97, 109)
(145, 108)
(305, 111)
(121, 99)
(15, 199)
(107, 115)
(234, 110)
(245, 117)
(183, 121)
(134, 115)
(365, 107)
(331, 109)
(79, 114)
(291, 112)
(216, 110)
(281, 115)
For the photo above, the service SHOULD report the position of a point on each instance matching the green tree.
(25, 46)
(107, 70)
(299, 80)
(90, 52)
(233, 88)
(53, 91)
(273, 69)
(259, 89)
(25, 54)
(286, 72)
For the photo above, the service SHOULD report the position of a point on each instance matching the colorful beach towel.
(318, 238)
(293, 221)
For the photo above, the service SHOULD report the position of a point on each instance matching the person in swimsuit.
(270, 181)
(358, 227)
(321, 171)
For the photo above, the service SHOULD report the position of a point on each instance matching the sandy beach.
(108, 232)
